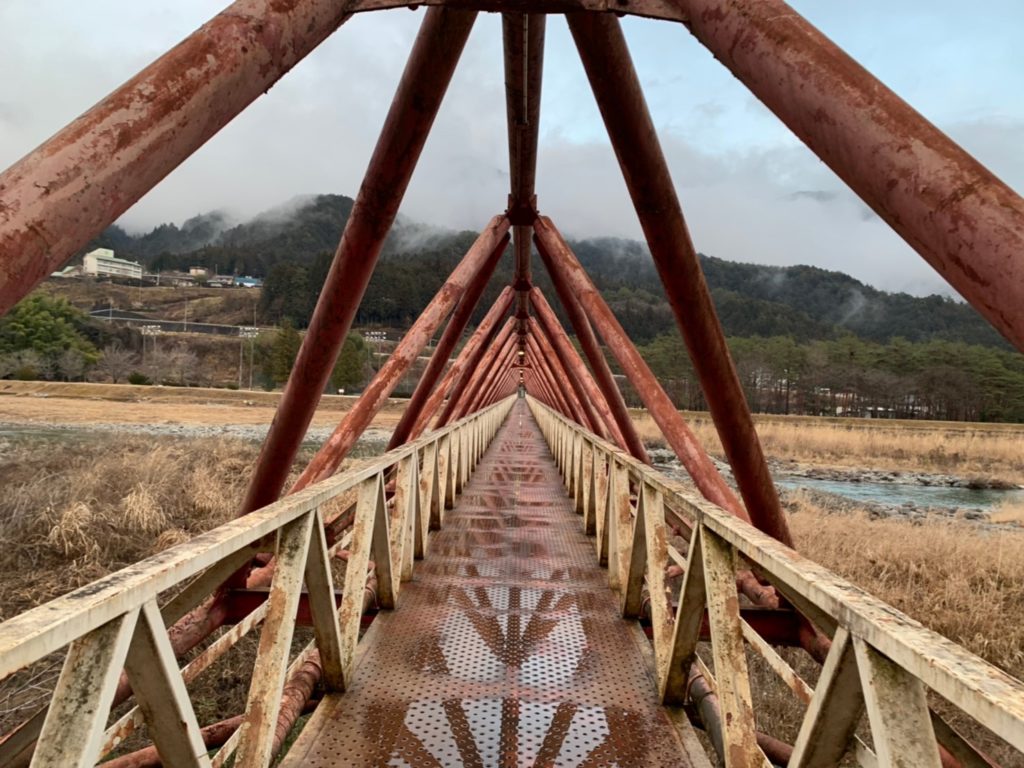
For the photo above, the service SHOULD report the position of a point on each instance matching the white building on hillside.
(103, 263)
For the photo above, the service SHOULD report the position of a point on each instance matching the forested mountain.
(291, 247)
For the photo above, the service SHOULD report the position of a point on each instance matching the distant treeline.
(291, 248)
(852, 377)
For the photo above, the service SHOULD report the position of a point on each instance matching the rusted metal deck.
(509, 648)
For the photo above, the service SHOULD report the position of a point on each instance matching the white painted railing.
(881, 660)
(116, 624)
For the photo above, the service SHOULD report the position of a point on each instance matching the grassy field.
(960, 448)
(230, 306)
(41, 402)
(97, 504)
(76, 507)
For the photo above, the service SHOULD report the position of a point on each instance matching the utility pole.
(250, 333)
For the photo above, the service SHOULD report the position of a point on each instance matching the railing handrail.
(34, 634)
(988, 694)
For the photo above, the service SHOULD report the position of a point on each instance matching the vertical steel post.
(523, 45)
(434, 55)
(616, 87)
(439, 359)
(478, 262)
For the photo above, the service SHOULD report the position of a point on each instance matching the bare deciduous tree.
(116, 362)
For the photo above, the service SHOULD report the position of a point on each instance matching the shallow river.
(901, 493)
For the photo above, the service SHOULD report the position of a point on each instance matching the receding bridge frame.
(955, 213)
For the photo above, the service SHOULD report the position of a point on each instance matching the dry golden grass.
(1008, 512)
(960, 580)
(945, 447)
(40, 402)
(74, 510)
(963, 581)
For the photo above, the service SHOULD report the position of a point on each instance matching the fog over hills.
(291, 246)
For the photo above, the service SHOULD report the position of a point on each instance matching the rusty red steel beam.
(571, 360)
(481, 385)
(479, 352)
(477, 265)
(511, 384)
(480, 376)
(553, 396)
(509, 381)
(476, 378)
(465, 360)
(962, 219)
(65, 192)
(595, 356)
(557, 399)
(574, 378)
(523, 47)
(533, 357)
(498, 391)
(557, 376)
(620, 98)
(532, 385)
(431, 63)
(686, 446)
(491, 383)
(445, 346)
(548, 395)
(538, 386)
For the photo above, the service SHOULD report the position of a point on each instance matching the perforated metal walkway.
(506, 650)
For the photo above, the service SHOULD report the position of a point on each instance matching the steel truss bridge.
(511, 583)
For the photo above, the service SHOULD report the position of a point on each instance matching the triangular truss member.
(965, 222)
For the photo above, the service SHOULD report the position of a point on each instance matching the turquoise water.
(899, 493)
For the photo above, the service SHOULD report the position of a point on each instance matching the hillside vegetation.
(291, 247)
(805, 340)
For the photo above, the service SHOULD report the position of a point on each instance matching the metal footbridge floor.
(507, 649)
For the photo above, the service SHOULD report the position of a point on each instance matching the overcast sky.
(750, 190)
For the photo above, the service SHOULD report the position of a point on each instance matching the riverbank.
(965, 450)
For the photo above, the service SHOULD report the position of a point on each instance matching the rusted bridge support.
(556, 343)
(65, 192)
(557, 400)
(957, 214)
(587, 389)
(479, 377)
(485, 384)
(466, 359)
(558, 377)
(434, 55)
(620, 98)
(445, 346)
(523, 44)
(686, 446)
(595, 356)
(476, 267)
(485, 338)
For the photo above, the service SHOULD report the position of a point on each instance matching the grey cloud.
(818, 195)
(314, 132)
